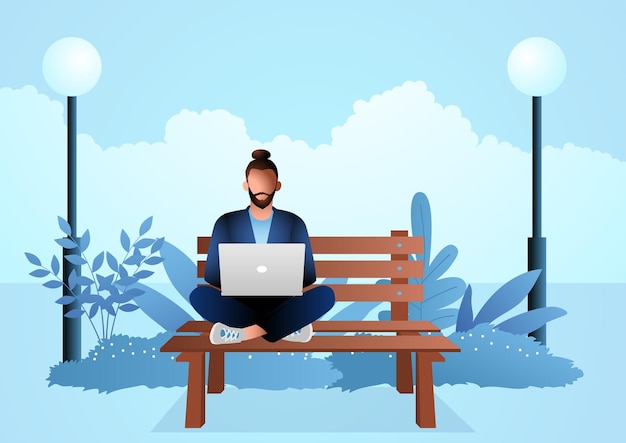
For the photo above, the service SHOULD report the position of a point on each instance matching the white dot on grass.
(172, 357)
(123, 350)
(278, 353)
(470, 334)
(520, 349)
(153, 349)
(153, 356)
(292, 354)
(113, 356)
(95, 353)
(111, 344)
(94, 359)
(462, 337)
(475, 349)
(144, 351)
(390, 356)
(507, 346)
(537, 353)
(305, 357)
(526, 355)
(490, 343)
(482, 335)
(132, 353)
(130, 343)
(249, 357)
(352, 353)
(101, 347)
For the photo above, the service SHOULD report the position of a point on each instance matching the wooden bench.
(410, 336)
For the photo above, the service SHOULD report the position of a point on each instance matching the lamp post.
(537, 67)
(71, 66)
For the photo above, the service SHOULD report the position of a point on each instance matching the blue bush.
(124, 362)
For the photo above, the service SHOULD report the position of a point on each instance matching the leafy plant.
(104, 293)
(439, 292)
(502, 301)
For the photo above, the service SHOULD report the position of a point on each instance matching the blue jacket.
(235, 227)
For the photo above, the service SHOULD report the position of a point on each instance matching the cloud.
(394, 145)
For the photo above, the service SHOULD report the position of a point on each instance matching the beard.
(262, 204)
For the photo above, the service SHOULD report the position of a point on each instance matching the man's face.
(261, 185)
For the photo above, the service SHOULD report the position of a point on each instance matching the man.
(243, 318)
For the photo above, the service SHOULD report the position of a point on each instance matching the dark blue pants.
(278, 316)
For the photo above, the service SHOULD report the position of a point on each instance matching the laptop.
(261, 270)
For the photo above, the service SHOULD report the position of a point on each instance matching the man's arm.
(212, 269)
(300, 235)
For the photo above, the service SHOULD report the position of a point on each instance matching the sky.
(362, 105)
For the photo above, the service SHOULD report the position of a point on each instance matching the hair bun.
(261, 154)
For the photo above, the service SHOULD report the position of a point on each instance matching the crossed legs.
(272, 318)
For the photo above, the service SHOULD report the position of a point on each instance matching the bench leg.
(424, 389)
(216, 372)
(404, 373)
(195, 414)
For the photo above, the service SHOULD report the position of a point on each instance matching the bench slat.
(373, 292)
(339, 326)
(358, 269)
(352, 245)
(344, 343)
(369, 269)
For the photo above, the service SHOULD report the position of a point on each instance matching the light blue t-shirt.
(261, 228)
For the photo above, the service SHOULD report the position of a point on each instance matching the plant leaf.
(112, 262)
(98, 261)
(443, 292)
(65, 226)
(444, 318)
(53, 284)
(161, 309)
(66, 243)
(143, 274)
(144, 243)
(94, 310)
(421, 223)
(530, 321)
(66, 300)
(153, 260)
(129, 307)
(156, 246)
(75, 259)
(125, 240)
(85, 240)
(54, 265)
(145, 226)
(71, 280)
(40, 273)
(123, 272)
(32, 258)
(465, 318)
(74, 313)
(507, 297)
(127, 281)
(441, 263)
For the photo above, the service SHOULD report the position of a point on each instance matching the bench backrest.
(398, 268)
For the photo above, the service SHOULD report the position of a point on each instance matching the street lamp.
(71, 66)
(537, 67)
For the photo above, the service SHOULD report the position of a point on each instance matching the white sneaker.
(222, 334)
(301, 335)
